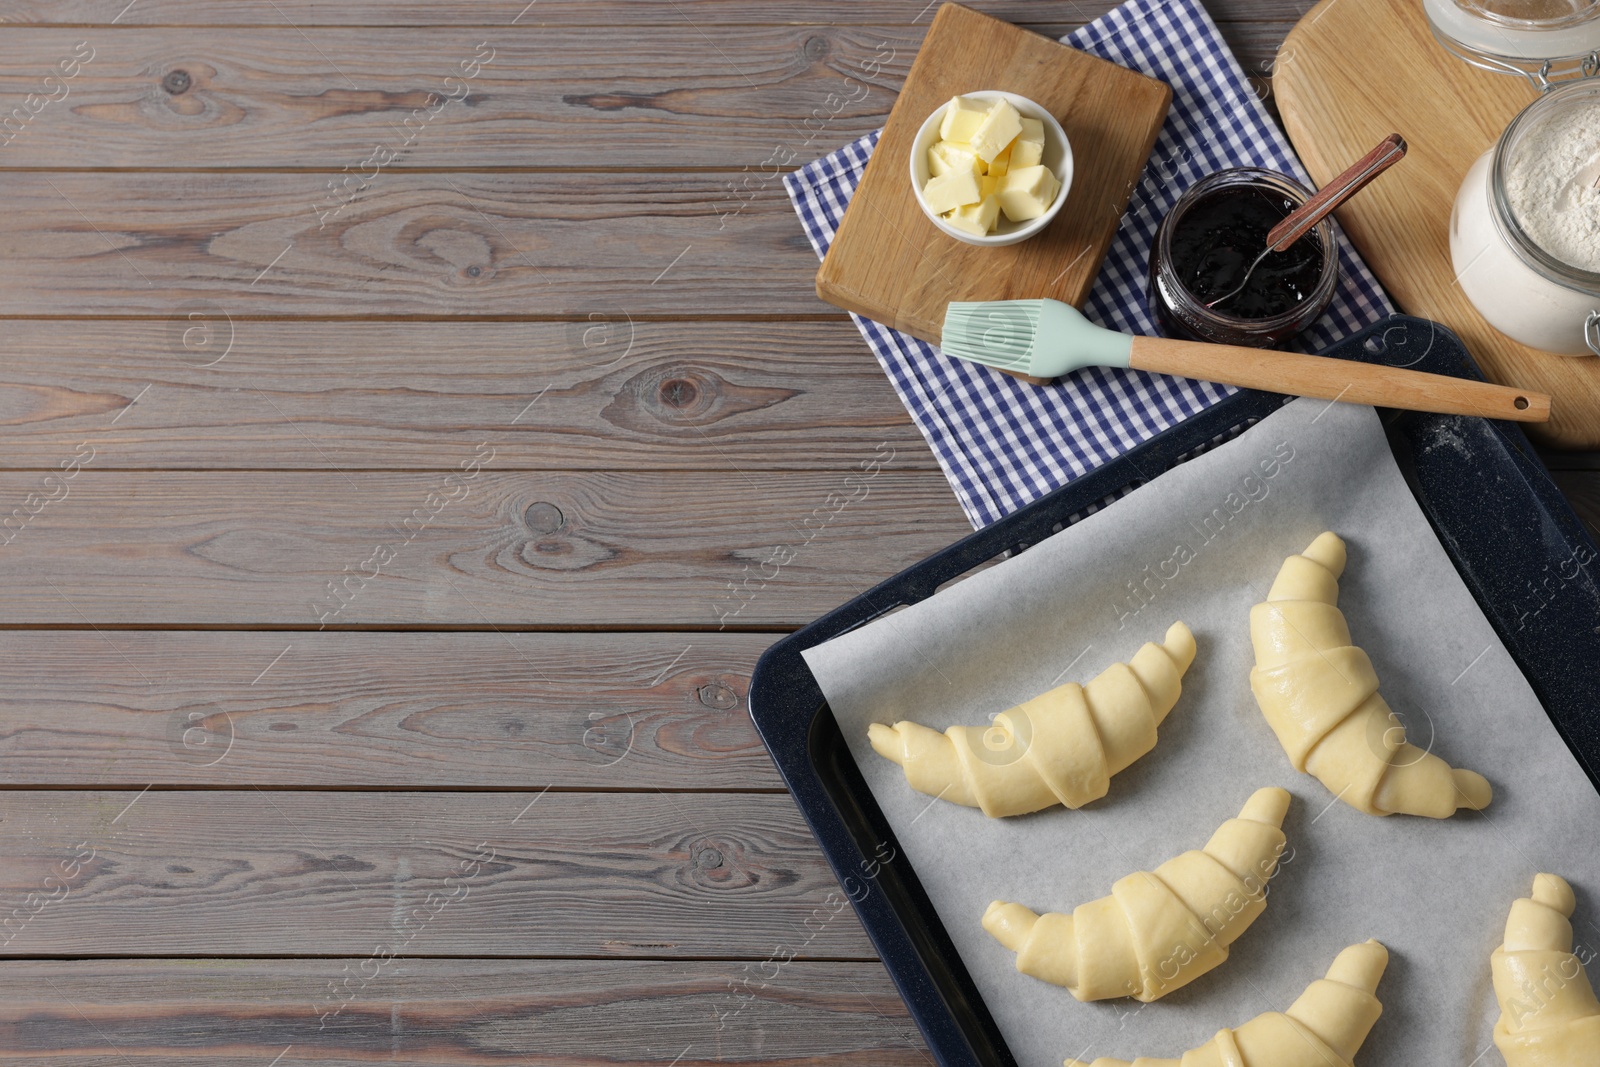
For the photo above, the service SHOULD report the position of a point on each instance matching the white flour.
(1551, 186)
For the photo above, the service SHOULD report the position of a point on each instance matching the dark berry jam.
(1205, 247)
(1219, 237)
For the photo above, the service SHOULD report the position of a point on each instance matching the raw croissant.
(1061, 747)
(1320, 696)
(1158, 930)
(1324, 1028)
(1548, 1013)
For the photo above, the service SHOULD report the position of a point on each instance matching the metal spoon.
(1303, 219)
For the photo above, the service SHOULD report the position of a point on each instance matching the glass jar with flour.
(1525, 232)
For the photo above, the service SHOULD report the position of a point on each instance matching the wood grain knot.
(677, 392)
(722, 864)
(544, 518)
(718, 697)
(680, 394)
(178, 100)
(816, 47)
(340, 863)
(616, 101)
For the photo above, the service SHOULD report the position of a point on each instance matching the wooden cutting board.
(1355, 70)
(889, 263)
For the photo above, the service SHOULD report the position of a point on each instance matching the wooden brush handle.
(1337, 379)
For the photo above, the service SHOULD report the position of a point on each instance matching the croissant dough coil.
(1061, 747)
(1324, 1028)
(1548, 1013)
(1320, 695)
(1158, 930)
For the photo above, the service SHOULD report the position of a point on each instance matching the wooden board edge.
(840, 296)
(1286, 86)
(825, 285)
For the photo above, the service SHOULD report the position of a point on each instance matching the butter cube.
(979, 218)
(989, 185)
(1001, 163)
(1027, 192)
(998, 128)
(1028, 149)
(951, 190)
(946, 156)
(961, 118)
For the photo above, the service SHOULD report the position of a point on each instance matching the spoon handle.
(1301, 221)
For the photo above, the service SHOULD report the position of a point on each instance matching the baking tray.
(1518, 546)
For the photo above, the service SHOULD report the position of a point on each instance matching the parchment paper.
(1436, 892)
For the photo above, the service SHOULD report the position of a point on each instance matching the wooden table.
(416, 419)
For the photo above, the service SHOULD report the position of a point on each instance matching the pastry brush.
(1047, 338)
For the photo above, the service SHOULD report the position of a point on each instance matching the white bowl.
(1057, 156)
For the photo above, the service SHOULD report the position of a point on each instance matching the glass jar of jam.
(1208, 241)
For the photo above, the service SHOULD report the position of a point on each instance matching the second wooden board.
(1355, 70)
(889, 263)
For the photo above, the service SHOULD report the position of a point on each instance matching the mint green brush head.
(1039, 338)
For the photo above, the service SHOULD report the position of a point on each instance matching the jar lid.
(1543, 40)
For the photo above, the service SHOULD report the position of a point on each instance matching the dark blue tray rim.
(1523, 555)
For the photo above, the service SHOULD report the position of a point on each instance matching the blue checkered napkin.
(1004, 443)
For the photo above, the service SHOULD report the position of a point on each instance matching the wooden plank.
(286, 873)
(890, 264)
(710, 14)
(435, 711)
(365, 101)
(477, 548)
(415, 245)
(451, 1013)
(775, 96)
(220, 393)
